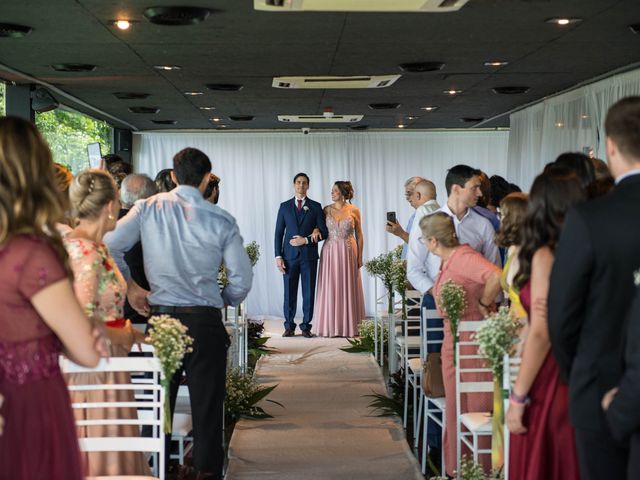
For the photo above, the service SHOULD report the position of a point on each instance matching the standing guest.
(164, 181)
(542, 444)
(212, 193)
(300, 219)
(395, 228)
(340, 301)
(480, 279)
(579, 163)
(423, 199)
(135, 187)
(63, 178)
(185, 239)
(117, 167)
(591, 291)
(482, 205)
(604, 182)
(500, 188)
(39, 315)
(101, 290)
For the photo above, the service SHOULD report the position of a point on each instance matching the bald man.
(424, 199)
(395, 228)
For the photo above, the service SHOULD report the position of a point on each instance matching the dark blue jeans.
(434, 438)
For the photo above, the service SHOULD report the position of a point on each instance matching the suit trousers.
(205, 369)
(294, 271)
(600, 456)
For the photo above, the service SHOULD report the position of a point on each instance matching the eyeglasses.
(425, 240)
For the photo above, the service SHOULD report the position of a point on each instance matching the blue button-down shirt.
(185, 239)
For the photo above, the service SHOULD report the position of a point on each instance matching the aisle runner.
(325, 430)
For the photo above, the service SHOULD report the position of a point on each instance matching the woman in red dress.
(542, 444)
(39, 315)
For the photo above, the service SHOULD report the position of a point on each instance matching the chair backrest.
(479, 366)
(151, 399)
(510, 369)
(431, 335)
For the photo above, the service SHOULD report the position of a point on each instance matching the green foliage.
(243, 393)
(382, 266)
(384, 406)
(68, 134)
(257, 344)
(2, 99)
(367, 339)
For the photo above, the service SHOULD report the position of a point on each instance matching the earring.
(111, 217)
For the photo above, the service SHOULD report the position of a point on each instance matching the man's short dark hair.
(116, 165)
(301, 175)
(459, 175)
(623, 126)
(190, 165)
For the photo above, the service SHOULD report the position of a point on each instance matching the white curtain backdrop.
(257, 171)
(573, 121)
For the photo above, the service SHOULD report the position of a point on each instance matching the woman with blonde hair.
(101, 290)
(481, 282)
(39, 315)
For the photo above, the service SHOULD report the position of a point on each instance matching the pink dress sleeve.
(41, 268)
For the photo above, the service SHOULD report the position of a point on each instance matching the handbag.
(432, 383)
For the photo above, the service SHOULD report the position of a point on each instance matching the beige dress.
(101, 289)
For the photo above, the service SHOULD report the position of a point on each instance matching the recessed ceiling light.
(429, 109)
(122, 24)
(563, 21)
(11, 30)
(411, 117)
(167, 67)
(401, 126)
(453, 92)
(207, 108)
(215, 119)
(559, 124)
(193, 94)
(584, 117)
(222, 126)
(495, 63)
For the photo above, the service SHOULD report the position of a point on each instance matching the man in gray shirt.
(185, 240)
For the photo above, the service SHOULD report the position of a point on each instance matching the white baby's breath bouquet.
(171, 343)
(453, 302)
(497, 336)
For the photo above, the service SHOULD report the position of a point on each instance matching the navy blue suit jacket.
(291, 223)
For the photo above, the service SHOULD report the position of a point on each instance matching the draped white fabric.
(257, 171)
(570, 122)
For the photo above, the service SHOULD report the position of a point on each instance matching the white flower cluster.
(496, 336)
(636, 277)
(367, 334)
(170, 342)
(240, 388)
(453, 303)
(382, 266)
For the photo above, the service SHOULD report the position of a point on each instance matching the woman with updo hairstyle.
(480, 280)
(63, 178)
(163, 180)
(339, 307)
(101, 290)
(40, 317)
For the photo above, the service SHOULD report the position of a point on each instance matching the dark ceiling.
(237, 44)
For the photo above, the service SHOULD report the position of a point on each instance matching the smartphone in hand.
(391, 217)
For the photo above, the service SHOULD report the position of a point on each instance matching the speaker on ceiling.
(122, 143)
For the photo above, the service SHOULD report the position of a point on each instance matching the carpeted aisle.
(325, 430)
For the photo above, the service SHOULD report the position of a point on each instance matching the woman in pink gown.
(39, 315)
(542, 443)
(481, 282)
(340, 301)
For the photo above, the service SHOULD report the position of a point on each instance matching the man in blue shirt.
(185, 240)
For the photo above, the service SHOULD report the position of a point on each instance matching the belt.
(194, 309)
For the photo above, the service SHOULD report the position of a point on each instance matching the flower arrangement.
(253, 251)
(171, 343)
(382, 267)
(257, 344)
(366, 341)
(452, 301)
(496, 336)
(636, 277)
(399, 278)
(472, 471)
(243, 393)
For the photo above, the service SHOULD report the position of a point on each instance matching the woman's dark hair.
(301, 175)
(552, 194)
(346, 189)
(163, 181)
(190, 165)
(500, 188)
(580, 164)
(513, 208)
(214, 181)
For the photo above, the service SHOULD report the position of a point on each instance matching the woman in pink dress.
(39, 315)
(101, 290)
(481, 282)
(340, 301)
(542, 443)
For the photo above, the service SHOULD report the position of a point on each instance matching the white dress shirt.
(473, 229)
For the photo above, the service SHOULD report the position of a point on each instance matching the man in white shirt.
(424, 200)
(395, 228)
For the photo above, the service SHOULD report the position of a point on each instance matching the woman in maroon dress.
(39, 315)
(542, 444)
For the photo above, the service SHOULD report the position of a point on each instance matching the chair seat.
(182, 424)
(411, 342)
(438, 402)
(415, 364)
(477, 422)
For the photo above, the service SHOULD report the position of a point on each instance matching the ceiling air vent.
(510, 90)
(224, 87)
(635, 28)
(320, 118)
(383, 106)
(359, 5)
(144, 109)
(73, 67)
(11, 30)
(174, 16)
(363, 81)
(241, 118)
(471, 119)
(131, 95)
(165, 122)
(358, 128)
(421, 67)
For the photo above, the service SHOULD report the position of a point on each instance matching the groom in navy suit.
(299, 227)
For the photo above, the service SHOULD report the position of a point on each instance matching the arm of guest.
(124, 237)
(418, 265)
(279, 233)
(321, 222)
(490, 249)
(238, 267)
(359, 236)
(568, 289)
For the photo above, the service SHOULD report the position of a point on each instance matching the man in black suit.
(591, 290)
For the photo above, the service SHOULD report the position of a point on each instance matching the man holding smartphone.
(393, 226)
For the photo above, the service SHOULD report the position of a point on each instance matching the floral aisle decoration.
(497, 337)
(366, 341)
(256, 342)
(243, 394)
(472, 471)
(253, 251)
(453, 302)
(171, 343)
(382, 267)
(399, 278)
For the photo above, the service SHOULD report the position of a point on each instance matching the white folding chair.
(151, 399)
(510, 369)
(470, 426)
